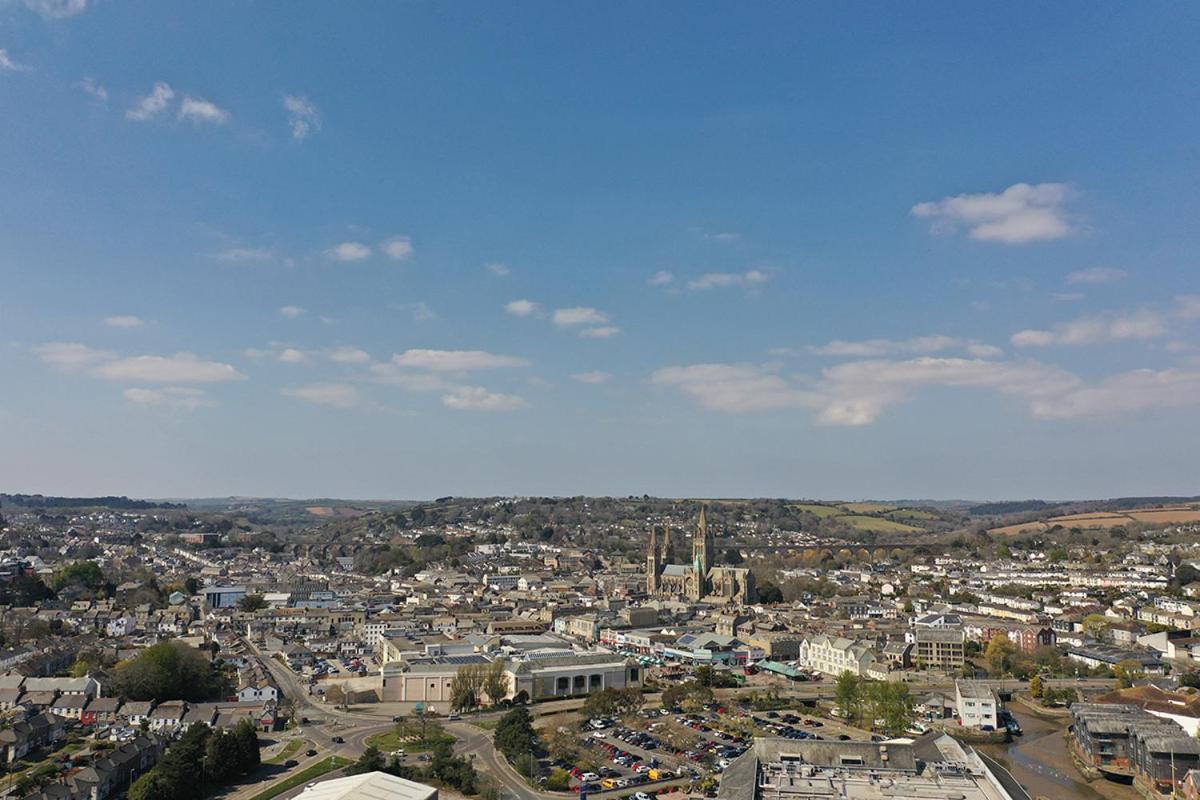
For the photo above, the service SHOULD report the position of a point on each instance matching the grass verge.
(303, 776)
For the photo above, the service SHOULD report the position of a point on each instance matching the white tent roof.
(370, 786)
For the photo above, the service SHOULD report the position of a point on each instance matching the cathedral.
(699, 580)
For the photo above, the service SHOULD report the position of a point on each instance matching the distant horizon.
(677, 498)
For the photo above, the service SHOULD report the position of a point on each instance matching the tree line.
(200, 760)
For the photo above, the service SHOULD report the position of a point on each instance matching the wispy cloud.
(348, 251)
(1021, 214)
(7, 64)
(57, 9)
(92, 87)
(245, 255)
(660, 278)
(477, 398)
(151, 105)
(723, 236)
(857, 393)
(303, 117)
(292, 312)
(332, 395)
(174, 397)
(498, 269)
(124, 321)
(197, 110)
(1135, 326)
(181, 367)
(398, 248)
(592, 377)
(601, 332)
(349, 355)
(521, 308)
(579, 315)
(723, 280)
(455, 360)
(1096, 275)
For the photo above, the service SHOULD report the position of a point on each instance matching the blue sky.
(406, 250)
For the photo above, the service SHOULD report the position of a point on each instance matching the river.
(1040, 762)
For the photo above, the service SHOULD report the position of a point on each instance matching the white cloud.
(303, 116)
(476, 398)
(57, 9)
(857, 393)
(1138, 390)
(421, 312)
(1187, 306)
(8, 65)
(1096, 275)
(348, 251)
(1020, 214)
(89, 85)
(349, 355)
(722, 280)
(733, 388)
(579, 315)
(726, 236)
(593, 377)
(71, 355)
(333, 395)
(178, 368)
(1135, 326)
(521, 308)
(980, 350)
(602, 332)
(174, 397)
(498, 269)
(389, 373)
(292, 312)
(293, 355)
(123, 321)
(455, 360)
(660, 278)
(197, 110)
(153, 104)
(245, 255)
(398, 248)
(881, 347)
(1067, 297)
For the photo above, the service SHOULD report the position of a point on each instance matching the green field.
(304, 776)
(878, 524)
(820, 510)
(912, 513)
(868, 508)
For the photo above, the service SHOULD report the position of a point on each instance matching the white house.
(978, 705)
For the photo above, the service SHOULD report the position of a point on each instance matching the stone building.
(700, 580)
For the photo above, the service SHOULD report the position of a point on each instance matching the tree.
(610, 702)
(466, 687)
(999, 655)
(733, 557)
(222, 756)
(170, 670)
(252, 602)
(769, 593)
(1095, 625)
(848, 696)
(515, 737)
(247, 740)
(1127, 673)
(561, 744)
(1035, 686)
(495, 683)
(370, 761)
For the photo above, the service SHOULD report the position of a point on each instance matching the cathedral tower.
(653, 563)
